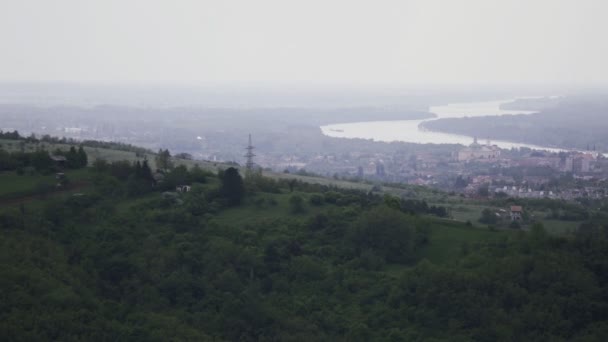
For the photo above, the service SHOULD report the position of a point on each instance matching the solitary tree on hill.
(232, 188)
(163, 160)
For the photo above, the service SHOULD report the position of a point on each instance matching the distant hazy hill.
(536, 104)
(576, 123)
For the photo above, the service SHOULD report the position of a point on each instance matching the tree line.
(32, 138)
(218, 263)
(42, 160)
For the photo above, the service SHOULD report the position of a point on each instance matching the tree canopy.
(127, 258)
(233, 187)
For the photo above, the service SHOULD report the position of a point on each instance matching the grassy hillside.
(122, 257)
(460, 209)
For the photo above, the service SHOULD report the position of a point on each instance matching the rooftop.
(516, 208)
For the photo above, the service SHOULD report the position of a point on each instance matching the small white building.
(183, 188)
(516, 213)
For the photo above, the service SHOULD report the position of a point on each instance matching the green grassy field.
(449, 238)
(14, 186)
(93, 153)
(471, 211)
(558, 227)
(466, 212)
(12, 183)
(263, 207)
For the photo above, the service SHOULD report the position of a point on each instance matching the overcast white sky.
(307, 41)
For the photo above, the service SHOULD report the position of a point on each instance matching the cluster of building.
(537, 174)
(575, 162)
(475, 170)
(591, 192)
(477, 151)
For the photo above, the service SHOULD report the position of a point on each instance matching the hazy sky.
(307, 41)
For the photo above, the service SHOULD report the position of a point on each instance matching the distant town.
(290, 140)
(477, 170)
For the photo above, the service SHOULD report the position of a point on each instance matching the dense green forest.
(233, 257)
(577, 123)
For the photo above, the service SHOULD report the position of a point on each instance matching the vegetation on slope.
(129, 258)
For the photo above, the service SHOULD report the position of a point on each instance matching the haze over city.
(286, 170)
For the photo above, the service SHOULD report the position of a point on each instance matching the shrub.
(387, 232)
(316, 199)
(515, 225)
(10, 219)
(488, 217)
(296, 203)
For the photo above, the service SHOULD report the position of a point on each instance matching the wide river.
(411, 131)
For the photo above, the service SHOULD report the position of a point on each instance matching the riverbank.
(413, 131)
(574, 124)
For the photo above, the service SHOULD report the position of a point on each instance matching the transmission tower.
(249, 155)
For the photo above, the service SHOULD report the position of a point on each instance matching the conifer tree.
(146, 172)
(72, 158)
(82, 157)
(233, 188)
(138, 173)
